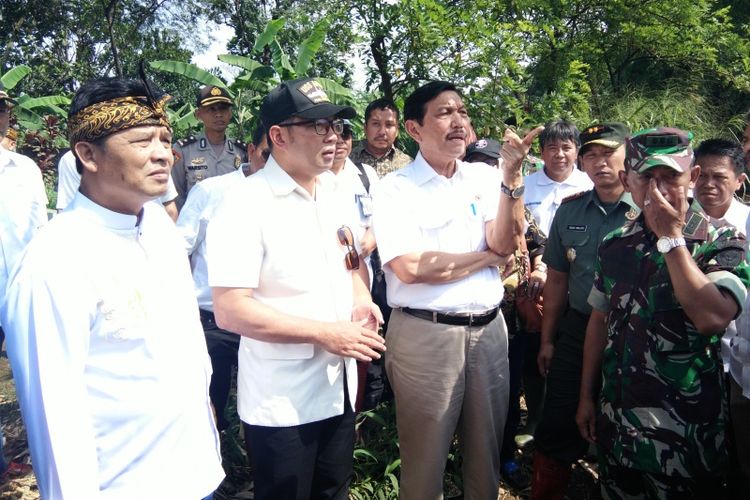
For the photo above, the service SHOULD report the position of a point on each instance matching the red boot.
(549, 479)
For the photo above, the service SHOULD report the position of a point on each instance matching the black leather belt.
(208, 320)
(460, 319)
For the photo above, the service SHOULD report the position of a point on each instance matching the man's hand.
(367, 243)
(586, 420)
(537, 280)
(515, 150)
(544, 358)
(352, 339)
(663, 218)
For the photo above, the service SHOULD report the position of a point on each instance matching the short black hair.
(722, 147)
(560, 130)
(382, 103)
(260, 131)
(415, 105)
(104, 89)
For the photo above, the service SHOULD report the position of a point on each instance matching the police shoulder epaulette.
(240, 144)
(572, 197)
(186, 141)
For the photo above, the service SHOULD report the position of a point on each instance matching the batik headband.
(107, 117)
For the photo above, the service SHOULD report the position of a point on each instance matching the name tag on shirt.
(577, 227)
(365, 205)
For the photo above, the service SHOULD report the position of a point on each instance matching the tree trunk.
(377, 47)
(110, 13)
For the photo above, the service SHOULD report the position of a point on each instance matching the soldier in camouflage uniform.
(211, 152)
(377, 149)
(666, 286)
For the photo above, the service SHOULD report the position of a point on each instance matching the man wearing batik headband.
(104, 340)
(666, 286)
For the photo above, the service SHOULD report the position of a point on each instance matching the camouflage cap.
(655, 147)
(611, 135)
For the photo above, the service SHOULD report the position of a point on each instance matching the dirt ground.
(237, 485)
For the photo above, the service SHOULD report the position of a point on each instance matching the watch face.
(518, 192)
(664, 245)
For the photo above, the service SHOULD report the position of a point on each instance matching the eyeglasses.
(322, 126)
(346, 134)
(347, 239)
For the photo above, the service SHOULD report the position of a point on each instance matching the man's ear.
(87, 153)
(623, 174)
(277, 137)
(413, 128)
(695, 172)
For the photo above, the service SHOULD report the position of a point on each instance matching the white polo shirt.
(23, 209)
(417, 210)
(543, 195)
(271, 236)
(199, 208)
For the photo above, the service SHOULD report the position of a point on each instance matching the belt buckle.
(471, 319)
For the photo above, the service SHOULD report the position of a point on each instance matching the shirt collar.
(544, 180)
(104, 216)
(282, 184)
(423, 173)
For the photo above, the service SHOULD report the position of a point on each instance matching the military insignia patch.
(198, 161)
(730, 258)
(313, 91)
(570, 253)
(237, 162)
(631, 214)
(215, 91)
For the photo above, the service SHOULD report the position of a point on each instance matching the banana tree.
(30, 111)
(256, 78)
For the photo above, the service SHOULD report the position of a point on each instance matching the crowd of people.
(606, 282)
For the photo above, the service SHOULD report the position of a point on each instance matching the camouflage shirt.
(662, 402)
(393, 160)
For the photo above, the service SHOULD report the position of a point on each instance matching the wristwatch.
(665, 243)
(513, 193)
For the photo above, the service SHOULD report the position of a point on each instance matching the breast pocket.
(574, 243)
(438, 232)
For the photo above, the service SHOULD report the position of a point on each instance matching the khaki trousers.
(446, 379)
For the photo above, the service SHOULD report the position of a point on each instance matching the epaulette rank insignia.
(572, 197)
(186, 141)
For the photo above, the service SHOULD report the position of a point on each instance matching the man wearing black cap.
(579, 225)
(291, 283)
(484, 151)
(211, 152)
(104, 338)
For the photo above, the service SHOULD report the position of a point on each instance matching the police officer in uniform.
(578, 227)
(211, 152)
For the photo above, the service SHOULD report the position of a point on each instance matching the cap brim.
(607, 143)
(213, 100)
(327, 109)
(484, 152)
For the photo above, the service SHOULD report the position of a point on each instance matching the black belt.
(460, 319)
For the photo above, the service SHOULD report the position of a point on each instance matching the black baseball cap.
(489, 147)
(303, 97)
(212, 94)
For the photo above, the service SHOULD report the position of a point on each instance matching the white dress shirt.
(735, 343)
(417, 210)
(23, 209)
(110, 361)
(271, 236)
(69, 180)
(199, 208)
(349, 184)
(544, 195)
